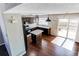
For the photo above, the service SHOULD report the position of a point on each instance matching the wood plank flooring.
(50, 49)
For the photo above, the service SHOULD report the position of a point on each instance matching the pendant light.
(48, 20)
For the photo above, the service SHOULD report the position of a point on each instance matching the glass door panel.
(72, 28)
(62, 27)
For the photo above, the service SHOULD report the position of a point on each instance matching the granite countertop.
(43, 26)
(35, 25)
(36, 32)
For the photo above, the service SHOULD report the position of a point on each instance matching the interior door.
(67, 28)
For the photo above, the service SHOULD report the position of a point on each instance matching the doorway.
(72, 30)
(62, 27)
(67, 28)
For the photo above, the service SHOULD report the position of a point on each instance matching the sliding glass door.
(62, 27)
(73, 24)
(67, 28)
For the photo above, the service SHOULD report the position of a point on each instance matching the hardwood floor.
(50, 49)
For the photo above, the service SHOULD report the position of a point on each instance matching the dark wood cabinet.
(37, 39)
(33, 38)
(45, 30)
(34, 28)
(30, 20)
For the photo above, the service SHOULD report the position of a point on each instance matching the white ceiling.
(45, 8)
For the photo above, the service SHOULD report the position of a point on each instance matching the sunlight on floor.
(44, 44)
(58, 41)
(32, 54)
(68, 44)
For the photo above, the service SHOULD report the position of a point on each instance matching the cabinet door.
(39, 40)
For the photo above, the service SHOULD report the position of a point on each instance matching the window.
(42, 21)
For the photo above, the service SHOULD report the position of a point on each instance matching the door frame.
(67, 30)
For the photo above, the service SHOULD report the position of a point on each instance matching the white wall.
(15, 34)
(4, 7)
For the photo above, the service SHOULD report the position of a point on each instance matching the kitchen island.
(37, 37)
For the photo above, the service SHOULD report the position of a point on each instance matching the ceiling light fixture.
(48, 20)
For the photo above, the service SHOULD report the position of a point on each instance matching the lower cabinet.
(37, 39)
(45, 30)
